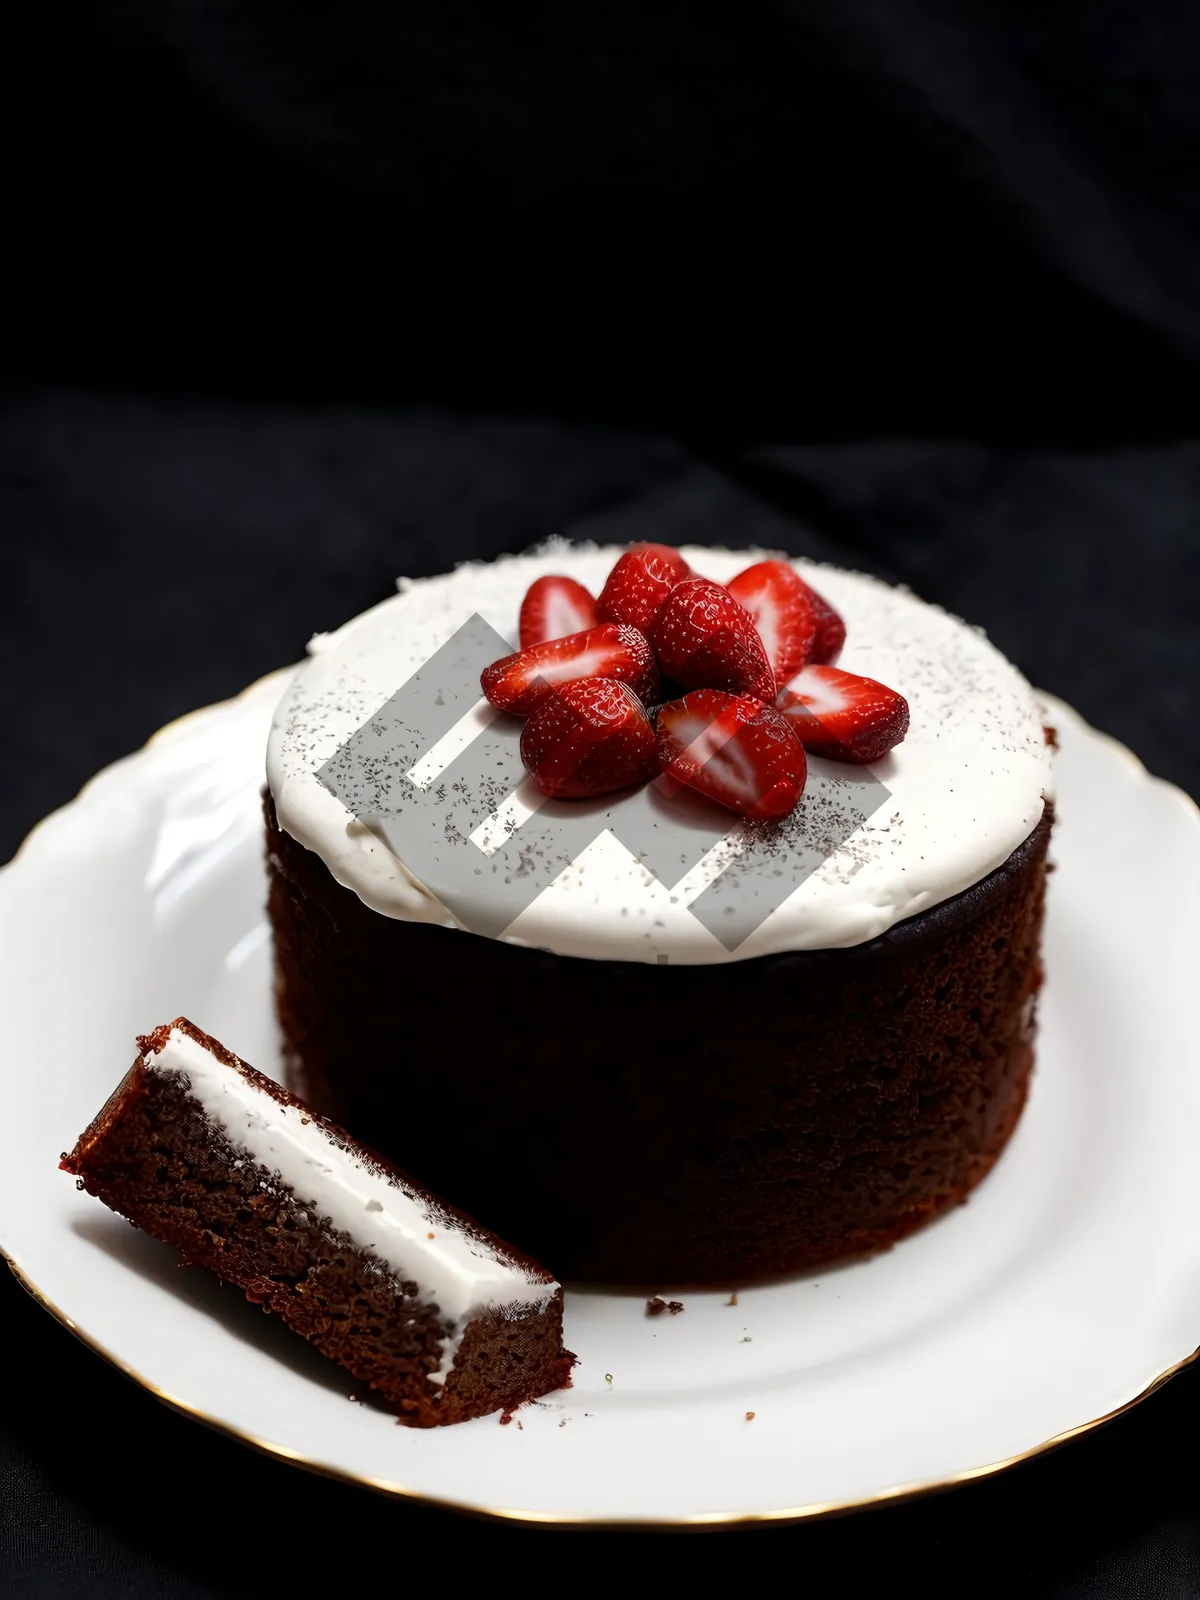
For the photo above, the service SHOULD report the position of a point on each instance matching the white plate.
(1065, 1290)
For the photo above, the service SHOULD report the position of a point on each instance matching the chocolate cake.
(619, 1085)
(444, 1320)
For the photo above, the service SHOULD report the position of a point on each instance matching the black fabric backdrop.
(779, 218)
(304, 299)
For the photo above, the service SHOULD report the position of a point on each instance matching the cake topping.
(731, 645)
(610, 650)
(639, 583)
(735, 750)
(843, 717)
(830, 633)
(554, 607)
(962, 790)
(588, 738)
(780, 604)
(705, 640)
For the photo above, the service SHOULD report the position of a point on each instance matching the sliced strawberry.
(639, 583)
(588, 737)
(735, 750)
(780, 605)
(830, 634)
(554, 607)
(611, 650)
(705, 640)
(842, 716)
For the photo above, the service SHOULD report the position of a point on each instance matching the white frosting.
(462, 1274)
(967, 785)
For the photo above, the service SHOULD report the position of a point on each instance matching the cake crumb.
(732, 1301)
(429, 1236)
(656, 1306)
(608, 1379)
(749, 1416)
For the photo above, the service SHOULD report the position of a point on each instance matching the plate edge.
(816, 1510)
(1052, 702)
(131, 756)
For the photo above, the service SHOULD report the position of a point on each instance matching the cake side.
(445, 1321)
(654, 1124)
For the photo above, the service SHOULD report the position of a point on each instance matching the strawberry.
(705, 640)
(639, 583)
(554, 607)
(780, 605)
(842, 716)
(611, 650)
(830, 630)
(735, 750)
(588, 737)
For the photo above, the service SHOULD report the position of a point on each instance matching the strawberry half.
(830, 633)
(588, 737)
(779, 603)
(735, 750)
(554, 607)
(704, 640)
(842, 716)
(639, 583)
(611, 650)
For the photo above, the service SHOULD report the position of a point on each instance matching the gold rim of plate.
(700, 1519)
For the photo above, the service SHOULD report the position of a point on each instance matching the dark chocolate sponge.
(154, 1157)
(670, 1124)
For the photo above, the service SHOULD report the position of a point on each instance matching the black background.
(305, 298)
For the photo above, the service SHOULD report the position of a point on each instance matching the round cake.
(649, 1042)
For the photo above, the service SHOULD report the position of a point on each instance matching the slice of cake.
(410, 1296)
(770, 1007)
